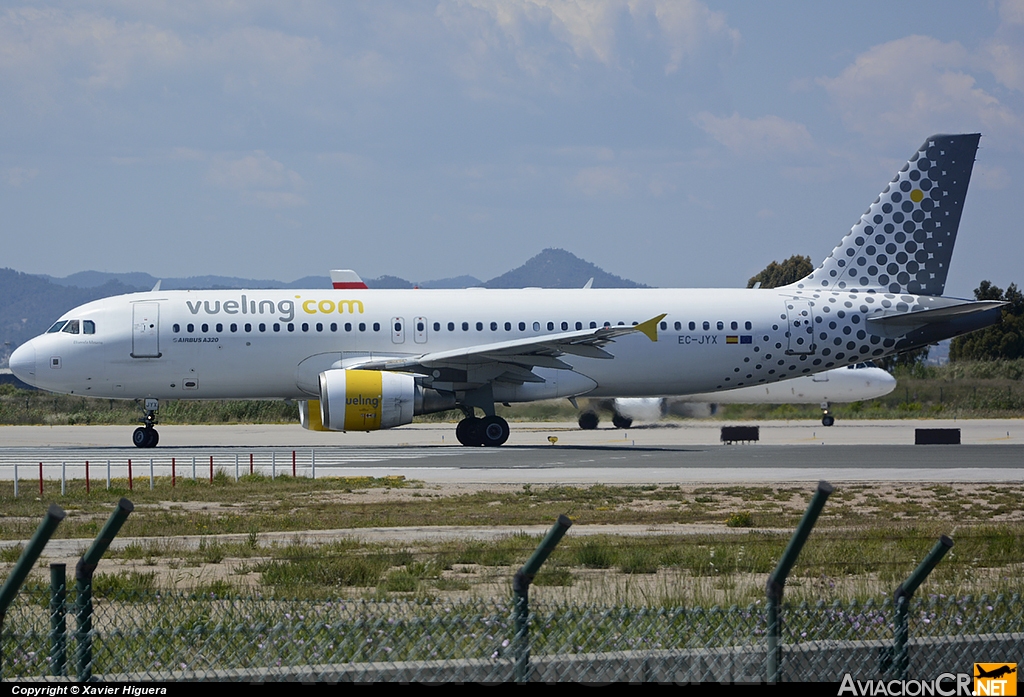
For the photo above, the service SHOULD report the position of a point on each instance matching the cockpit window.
(88, 326)
(71, 327)
(57, 326)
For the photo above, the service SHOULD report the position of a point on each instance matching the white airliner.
(854, 383)
(361, 360)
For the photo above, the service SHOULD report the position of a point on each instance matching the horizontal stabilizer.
(939, 314)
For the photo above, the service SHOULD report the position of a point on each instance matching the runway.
(681, 452)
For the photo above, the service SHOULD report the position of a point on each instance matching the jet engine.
(368, 400)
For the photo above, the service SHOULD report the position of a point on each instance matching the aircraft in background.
(361, 360)
(854, 383)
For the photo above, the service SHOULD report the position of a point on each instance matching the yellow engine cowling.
(309, 415)
(365, 400)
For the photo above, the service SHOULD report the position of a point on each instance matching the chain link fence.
(173, 636)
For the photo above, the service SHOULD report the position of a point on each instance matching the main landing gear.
(490, 431)
(826, 415)
(146, 436)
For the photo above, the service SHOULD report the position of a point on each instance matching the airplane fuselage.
(272, 344)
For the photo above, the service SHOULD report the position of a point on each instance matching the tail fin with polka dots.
(904, 241)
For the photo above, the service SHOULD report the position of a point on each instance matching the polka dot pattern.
(904, 241)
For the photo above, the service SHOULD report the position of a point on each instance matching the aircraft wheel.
(145, 437)
(621, 421)
(588, 420)
(827, 420)
(468, 431)
(493, 431)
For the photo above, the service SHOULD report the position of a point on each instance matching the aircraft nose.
(23, 363)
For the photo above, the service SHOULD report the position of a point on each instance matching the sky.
(673, 142)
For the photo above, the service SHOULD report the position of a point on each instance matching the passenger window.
(376, 326)
(494, 326)
(693, 326)
(748, 326)
(234, 327)
(451, 326)
(465, 326)
(291, 326)
(679, 325)
(479, 326)
(248, 327)
(362, 326)
(220, 327)
(536, 326)
(420, 326)
(437, 326)
(263, 327)
(348, 326)
(734, 326)
(305, 327)
(190, 328)
(593, 325)
(71, 327)
(579, 325)
(522, 326)
(508, 326)
(551, 326)
(720, 325)
(565, 325)
(277, 327)
(706, 325)
(175, 328)
(664, 325)
(206, 328)
(334, 326)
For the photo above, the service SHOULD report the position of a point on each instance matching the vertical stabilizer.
(346, 278)
(904, 241)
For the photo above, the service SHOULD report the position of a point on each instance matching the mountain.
(557, 268)
(30, 304)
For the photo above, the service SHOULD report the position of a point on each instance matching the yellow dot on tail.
(916, 195)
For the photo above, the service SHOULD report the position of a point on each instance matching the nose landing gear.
(826, 414)
(146, 436)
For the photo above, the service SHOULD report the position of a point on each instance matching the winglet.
(650, 327)
(346, 279)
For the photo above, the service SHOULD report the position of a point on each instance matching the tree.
(789, 271)
(1001, 341)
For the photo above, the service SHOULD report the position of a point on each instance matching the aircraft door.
(146, 330)
(397, 330)
(801, 328)
(420, 326)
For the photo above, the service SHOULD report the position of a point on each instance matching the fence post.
(211, 469)
(293, 464)
(86, 476)
(58, 620)
(901, 659)
(29, 555)
(521, 596)
(63, 479)
(777, 581)
(151, 484)
(15, 480)
(312, 462)
(83, 585)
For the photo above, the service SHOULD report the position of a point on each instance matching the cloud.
(552, 39)
(258, 179)
(916, 85)
(759, 137)
(601, 181)
(16, 176)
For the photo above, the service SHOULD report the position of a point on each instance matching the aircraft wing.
(513, 361)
